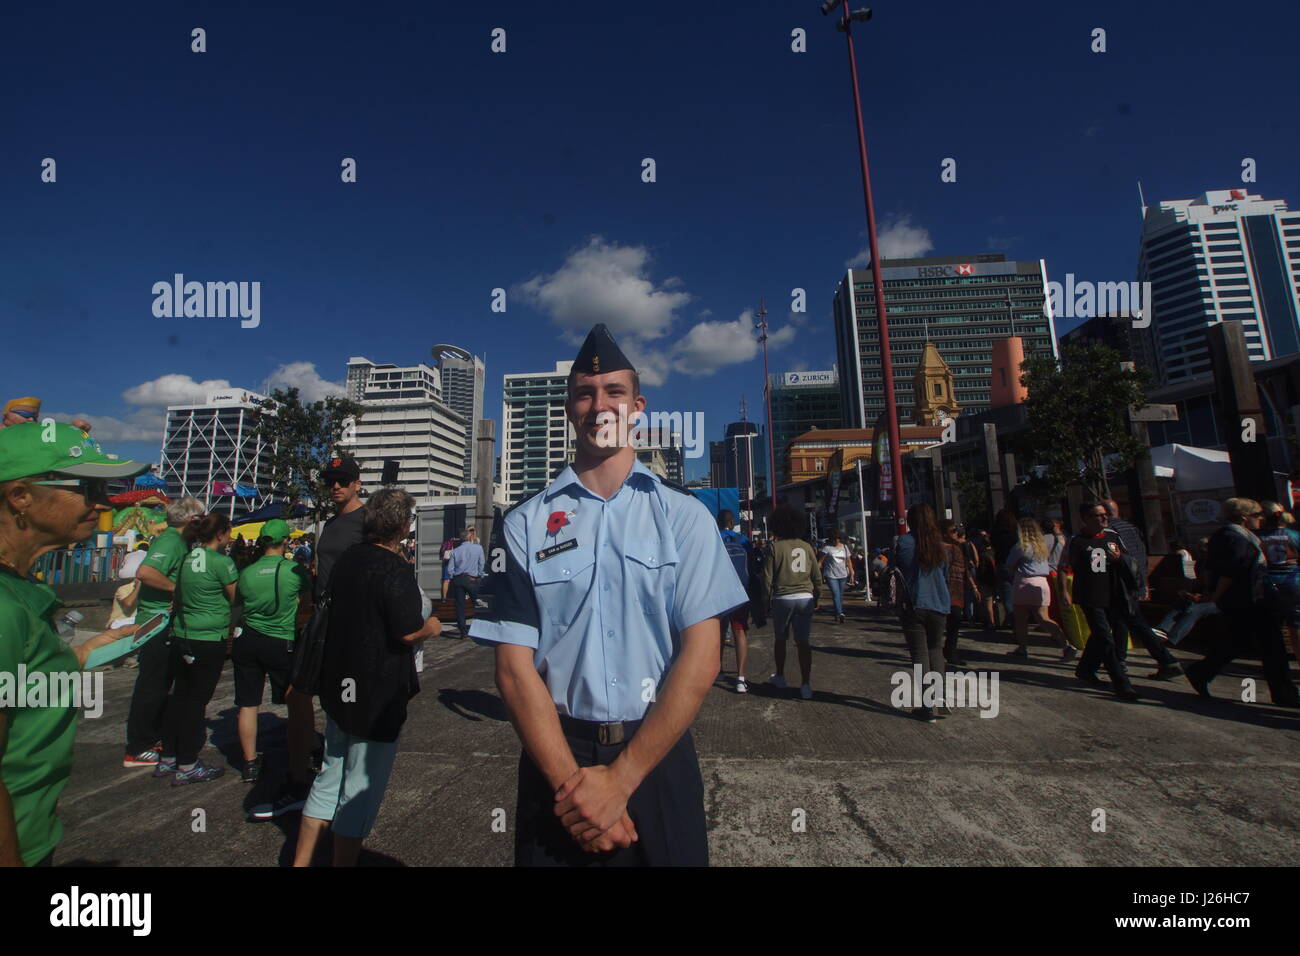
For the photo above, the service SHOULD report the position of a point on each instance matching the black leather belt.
(615, 732)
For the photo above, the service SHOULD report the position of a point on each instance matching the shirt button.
(609, 633)
(614, 681)
(606, 587)
(566, 570)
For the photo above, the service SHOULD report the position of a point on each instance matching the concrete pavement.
(842, 779)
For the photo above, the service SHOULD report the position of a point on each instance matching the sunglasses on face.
(23, 413)
(93, 489)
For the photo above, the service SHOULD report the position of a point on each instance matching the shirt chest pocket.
(650, 573)
(562, 584)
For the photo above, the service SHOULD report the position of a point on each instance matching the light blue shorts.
(351, 783)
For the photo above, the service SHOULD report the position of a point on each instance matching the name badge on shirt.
(557, 549)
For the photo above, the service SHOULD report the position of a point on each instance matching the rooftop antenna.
(1142, 199)
(744, 409)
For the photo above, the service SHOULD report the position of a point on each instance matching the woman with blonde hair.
(1031, 594)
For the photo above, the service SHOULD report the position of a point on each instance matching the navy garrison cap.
(600, 354)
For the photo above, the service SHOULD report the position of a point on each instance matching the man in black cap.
(606, 625)
(341, 480)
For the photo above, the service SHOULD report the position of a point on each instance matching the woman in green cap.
(277, 596)
(205, 590)
(53, 488)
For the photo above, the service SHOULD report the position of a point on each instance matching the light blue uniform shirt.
(603, 600)
(467, 558)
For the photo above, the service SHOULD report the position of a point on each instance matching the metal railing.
(79, 565)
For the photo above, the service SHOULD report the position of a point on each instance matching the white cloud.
(899, 238)
(145, 424)
(710, 345)
(304, 377)
(606, 282)
(173, 389)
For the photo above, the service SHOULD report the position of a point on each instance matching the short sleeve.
(402, 604)
(165, 557)
(514, 618)
(227, 573)
(301, 579)
(707, 585)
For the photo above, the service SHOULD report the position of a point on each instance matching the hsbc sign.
(955, 271)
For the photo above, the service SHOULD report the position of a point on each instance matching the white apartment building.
(404, 419)
(537, 441)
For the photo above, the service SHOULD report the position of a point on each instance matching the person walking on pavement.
(837, 569)
(1281, 545)
(466, 570)
(276, 591)
(1093, 555)
(1134, 623)
(962, 590)
(153, 679)
(739, 550)
(793, 578)
(341, 481)
(1031, 594)
(205, 591)
(1238, 571)
(924, 564)
(606, 621)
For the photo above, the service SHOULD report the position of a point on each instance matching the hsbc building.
(962, 305)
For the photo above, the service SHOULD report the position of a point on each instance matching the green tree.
(301, 436)
(973, 496)
(1077, 416)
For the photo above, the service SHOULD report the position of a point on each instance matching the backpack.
(896, 593)
(448, 547)
(735, 545)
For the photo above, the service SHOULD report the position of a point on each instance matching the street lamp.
(882, 319)
(761, 325)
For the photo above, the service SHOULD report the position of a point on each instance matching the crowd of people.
(607, 616)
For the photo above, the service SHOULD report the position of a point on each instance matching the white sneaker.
(777, 681)
(741, 686)
(806, 691)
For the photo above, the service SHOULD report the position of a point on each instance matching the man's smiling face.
(599, 407)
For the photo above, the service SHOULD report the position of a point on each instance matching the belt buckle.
(610, 733)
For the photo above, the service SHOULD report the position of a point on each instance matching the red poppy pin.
(556, 521)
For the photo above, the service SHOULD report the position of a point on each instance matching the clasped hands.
(592, 805)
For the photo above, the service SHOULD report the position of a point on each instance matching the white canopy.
(1193, 469)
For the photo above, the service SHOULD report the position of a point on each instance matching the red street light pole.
(882, 319)
(761, 325)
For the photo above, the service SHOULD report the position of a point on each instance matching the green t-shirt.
(270, 587)
(165, 554)
(37, 760)
(204, 612)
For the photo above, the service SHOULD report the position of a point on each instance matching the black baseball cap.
(340, 469)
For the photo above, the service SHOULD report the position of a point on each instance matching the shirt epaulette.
(521, 502)
(676, 487)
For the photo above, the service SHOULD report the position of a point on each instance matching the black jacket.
(367, 672)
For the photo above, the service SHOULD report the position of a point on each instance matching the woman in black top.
(367, 677)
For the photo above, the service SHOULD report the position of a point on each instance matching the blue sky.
(522, 170)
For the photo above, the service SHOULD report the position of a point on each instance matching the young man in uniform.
(341, 478)
(739, 550)
(605, 621)
(1094, 555)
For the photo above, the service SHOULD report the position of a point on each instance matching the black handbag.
(309, 650)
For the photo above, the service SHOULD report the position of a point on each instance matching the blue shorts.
(445, 575)
(352, 781)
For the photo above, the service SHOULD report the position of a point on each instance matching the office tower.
(213, 451)
(1121, 331)
(462, 391)
(404, 419)
(537, 439)
(1224, 256)
(802, 401)
(962, 305)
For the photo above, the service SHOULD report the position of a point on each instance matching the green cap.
(41, 448)
(277, 529)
